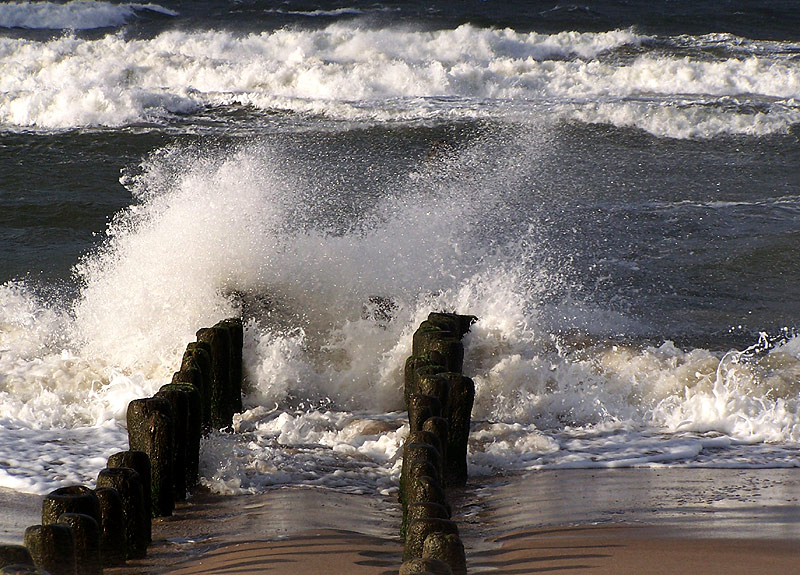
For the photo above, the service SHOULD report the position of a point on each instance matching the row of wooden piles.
(84, 530)
(439, 401)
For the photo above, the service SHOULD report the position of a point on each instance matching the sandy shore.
(619, 550)
(638, 521)
(624, 521)
(697, 503)
(17, 512)
(297, 530)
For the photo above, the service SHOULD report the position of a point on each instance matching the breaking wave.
(74, 15)
(346, 72)
(217, 232)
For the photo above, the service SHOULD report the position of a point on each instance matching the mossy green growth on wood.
(86, 535)
(127, 483)
(113, 539)
(52, 548)
(70, 499)
(151, 429)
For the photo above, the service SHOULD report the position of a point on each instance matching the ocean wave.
(790, 204)
(737, 45)
(684, 118)
(348, 73)
(330, 13)
(73, 15)
(215, 232)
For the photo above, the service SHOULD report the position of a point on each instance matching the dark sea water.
(613, 188)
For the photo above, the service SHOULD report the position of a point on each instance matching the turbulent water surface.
(613, 190)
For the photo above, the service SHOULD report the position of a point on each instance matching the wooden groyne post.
(439, 400)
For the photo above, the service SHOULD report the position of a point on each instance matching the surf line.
(84, 530)
(439, 400)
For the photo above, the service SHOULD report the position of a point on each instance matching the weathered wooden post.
(458, 413)
(426, 510)
(236, 329)
(151, 429)
(425, 437)
(425, 566)
(22, 569)
(435, 385)
(127, 483)
(419, 529)
(52, 548)
(86, 535)
(71, 499)
(446, 547)
(15, 554)
(139, 461)
(456, 323)
(222, 409)
(419, 455)
(179, 403)
(194, 426)
(113, 539)
(420, 408)
(440, 428)
(196, 369)
(414, 367)
(424, 489)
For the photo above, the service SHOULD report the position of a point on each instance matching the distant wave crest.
(351, 73)
(74, 15)
(328, 13)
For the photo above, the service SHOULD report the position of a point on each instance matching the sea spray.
(560, 379)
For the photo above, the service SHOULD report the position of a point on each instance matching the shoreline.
(600, 521)
(584, 521)
(19, 511)
(314, 529)
(680, 501)
(638, 520)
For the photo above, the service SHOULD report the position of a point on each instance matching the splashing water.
(265, 231)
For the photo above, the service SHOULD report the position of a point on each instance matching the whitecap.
(73, 15)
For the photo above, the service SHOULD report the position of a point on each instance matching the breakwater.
(84, 530)
(439, 399)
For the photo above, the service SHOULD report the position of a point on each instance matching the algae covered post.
(435, 450)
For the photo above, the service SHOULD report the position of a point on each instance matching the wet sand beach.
(288, 530)
(640, 521)
(620, 521)
(17, 512)
(621, 550)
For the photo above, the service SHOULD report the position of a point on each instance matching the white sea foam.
(738, 45)
(73, 15)
(329, 13)
(212, 231)
(350, 452)
(348, 72)
(61, 414)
